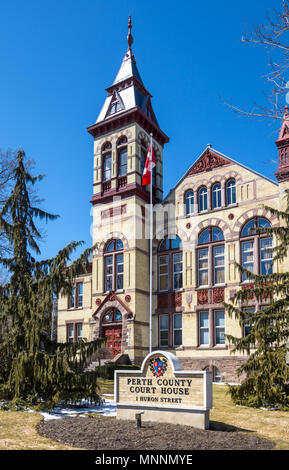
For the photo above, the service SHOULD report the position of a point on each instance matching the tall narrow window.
(231, 192)
(189, 200)
(164, 330)
(178, 329)
(79, 331)
(122, 156)
(72, 298)
(170, 264)
(256, 247)
(113, 266)
(204, 336)
(80, 294)
(164, 273)
(106, 162)
(203, 199)
(219, 327)
(216, 196)
(76, 297)
(70, 333)
(211, 257)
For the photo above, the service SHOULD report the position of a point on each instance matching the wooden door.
(113, 333)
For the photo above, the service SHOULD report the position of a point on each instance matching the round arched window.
(256, 247)
(211, 257)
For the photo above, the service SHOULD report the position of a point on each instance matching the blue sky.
(58, 57)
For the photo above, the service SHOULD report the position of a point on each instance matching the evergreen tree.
(34, 370)
(266, 372)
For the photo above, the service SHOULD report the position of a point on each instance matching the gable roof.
(211, 159)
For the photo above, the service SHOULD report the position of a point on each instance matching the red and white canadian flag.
(150, 164)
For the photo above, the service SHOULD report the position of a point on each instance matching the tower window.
(122, 156)
(106, 162)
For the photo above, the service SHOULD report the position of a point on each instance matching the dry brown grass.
(272, 425)
(18, 432)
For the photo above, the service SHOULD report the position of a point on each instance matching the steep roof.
(127, 91)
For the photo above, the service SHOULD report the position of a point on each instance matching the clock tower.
(120, 268)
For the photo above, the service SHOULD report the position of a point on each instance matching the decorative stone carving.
(203, 297)
(127, 298)
(98, 302)
(177, 299)
(218, 295)
(208, 162)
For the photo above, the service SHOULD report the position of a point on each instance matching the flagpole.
(151, 246)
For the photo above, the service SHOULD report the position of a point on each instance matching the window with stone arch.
(203, 199)
(189, 202)
(256, 247)
(216, 196)
(231, 197)
(122, 156)
(106, 153)
(113, 266)
(112, 316)
(170, 264)
(211, 257)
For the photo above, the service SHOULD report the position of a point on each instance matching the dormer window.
(115, 104)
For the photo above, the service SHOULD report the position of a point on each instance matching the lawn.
(17, 430)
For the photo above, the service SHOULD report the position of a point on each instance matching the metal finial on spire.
(129, 36)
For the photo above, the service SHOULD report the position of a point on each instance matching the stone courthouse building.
(202, 227)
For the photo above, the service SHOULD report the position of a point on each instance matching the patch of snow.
(107, 408)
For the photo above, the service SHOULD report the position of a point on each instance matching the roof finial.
(129, 36)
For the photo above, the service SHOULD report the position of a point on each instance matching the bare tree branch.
(274, 38)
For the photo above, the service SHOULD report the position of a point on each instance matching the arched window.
(189, 200)
(113, 265)
(203, 199)
(256, 248)
(122, 156)
(211, 257)
(112, 316)
(170, 263)
(216, 196)
(106, 161)
(231, 192)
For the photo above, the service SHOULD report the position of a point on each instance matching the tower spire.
(283, 148)
(129, 36)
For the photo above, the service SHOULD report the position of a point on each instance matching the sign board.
(164, 392)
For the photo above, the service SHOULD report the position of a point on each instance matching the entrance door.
(113, 342)
(112, 331)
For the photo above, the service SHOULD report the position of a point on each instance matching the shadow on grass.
(217, 426)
